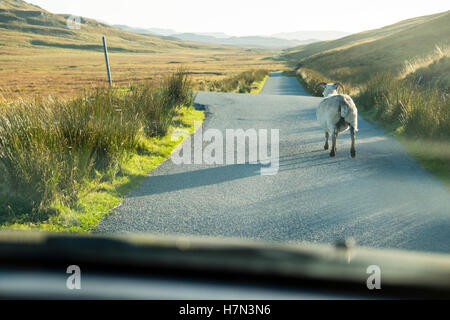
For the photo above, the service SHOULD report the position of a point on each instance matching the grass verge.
(257, 87)
(99, 197)
(56, 155)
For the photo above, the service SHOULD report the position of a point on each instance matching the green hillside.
(40, 55)
(25, 25)
(401, 48)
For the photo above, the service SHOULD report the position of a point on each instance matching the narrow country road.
(383, 198)
(283, 86)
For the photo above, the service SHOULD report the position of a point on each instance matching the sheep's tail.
(350, 111)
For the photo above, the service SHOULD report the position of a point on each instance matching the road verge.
(102, 195)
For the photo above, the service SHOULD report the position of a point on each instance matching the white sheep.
(337, 113)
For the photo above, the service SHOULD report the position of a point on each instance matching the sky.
(248, 17)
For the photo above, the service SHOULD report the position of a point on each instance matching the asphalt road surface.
(283, 86)
(382, 198)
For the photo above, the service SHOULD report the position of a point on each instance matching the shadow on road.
(197, 178)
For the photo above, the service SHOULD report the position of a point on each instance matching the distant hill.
(220, 35)
(311, 34)
(417, 42)
(248, 41)
(220, 38)
(148, 31)
(23, 25)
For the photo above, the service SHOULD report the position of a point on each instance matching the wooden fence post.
(107, 61)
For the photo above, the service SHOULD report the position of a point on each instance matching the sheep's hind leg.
(333, 147)
(353, 150)
(327, 136)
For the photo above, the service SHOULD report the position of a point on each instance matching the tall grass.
(243, 82)
(50, 148)
(421, 112)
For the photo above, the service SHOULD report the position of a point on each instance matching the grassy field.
(399, 77)
(69, 72)
(40, 55)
